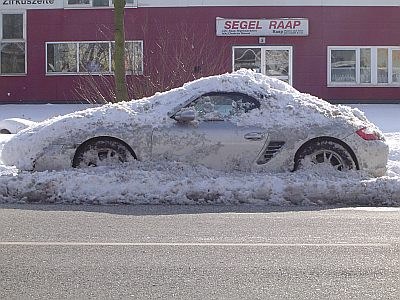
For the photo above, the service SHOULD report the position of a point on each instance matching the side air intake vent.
(272, 148)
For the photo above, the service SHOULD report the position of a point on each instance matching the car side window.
(222, 106)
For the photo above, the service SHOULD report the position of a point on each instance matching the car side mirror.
(185, 116)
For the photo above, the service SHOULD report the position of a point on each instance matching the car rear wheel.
(102, 151)
(326, 152)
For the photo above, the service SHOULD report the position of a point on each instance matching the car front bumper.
(55, 157)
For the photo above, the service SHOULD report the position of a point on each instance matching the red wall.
(328, 26)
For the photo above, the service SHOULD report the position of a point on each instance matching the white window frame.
(263, 59)
(23, 40)
(109, 72)
(374, 67)
(134, 4)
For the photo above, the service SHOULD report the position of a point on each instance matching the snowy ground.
(151, 183)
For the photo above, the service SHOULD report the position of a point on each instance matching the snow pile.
(393, 139)
(177, 183)
(282, 107)
(174, 183)
(5, 170)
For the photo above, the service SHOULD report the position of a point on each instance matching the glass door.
(247, 58)
(277, 64)
(274, 61)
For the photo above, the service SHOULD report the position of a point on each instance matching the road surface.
(198, 252)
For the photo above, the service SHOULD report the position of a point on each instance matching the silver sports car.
(236, 121)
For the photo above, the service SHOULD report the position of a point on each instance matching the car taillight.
(368, 134)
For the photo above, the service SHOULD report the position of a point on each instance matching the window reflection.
(277, 63)
(12, 58)
(78, 2)
(365, 65)
(93, 57)
(248, 58)
(383, 65)
(343, 66)
(396, 66)
(12, 44)
(13, 26)
(61, 57)
(133, 57)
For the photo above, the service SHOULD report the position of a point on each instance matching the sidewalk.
(385, 116)
(38, 112)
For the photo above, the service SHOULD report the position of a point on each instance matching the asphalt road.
(204, 252)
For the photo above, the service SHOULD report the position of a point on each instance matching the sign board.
(30, 4)
(262, 27)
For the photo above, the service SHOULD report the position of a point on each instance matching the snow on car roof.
(285, 104)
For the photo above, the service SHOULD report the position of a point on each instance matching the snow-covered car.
(13, 125)
(235, 121)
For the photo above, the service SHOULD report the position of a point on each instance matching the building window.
(343, 66)
(78, 2)
(96, 3)
(396, 66)
(62, 57)
(12, 44)
(383, 65)
(91, 58)
(133, 57)
(363, 66)
(94, 57)
(274, 61)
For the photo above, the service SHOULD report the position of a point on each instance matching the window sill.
(88, 74)
(350, 85)
(14, 74)
(93, 7)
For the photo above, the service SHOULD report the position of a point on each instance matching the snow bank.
(176, 183)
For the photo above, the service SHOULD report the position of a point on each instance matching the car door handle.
(254, 136)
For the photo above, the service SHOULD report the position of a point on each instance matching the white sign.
(262, 27)
(30, 4)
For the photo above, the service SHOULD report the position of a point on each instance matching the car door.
(205, 133)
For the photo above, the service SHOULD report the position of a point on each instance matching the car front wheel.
(102, 151)
(326, 152)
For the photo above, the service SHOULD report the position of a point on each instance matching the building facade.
(58, 51)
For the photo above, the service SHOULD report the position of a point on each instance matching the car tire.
(102, 151)
(325, 151)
